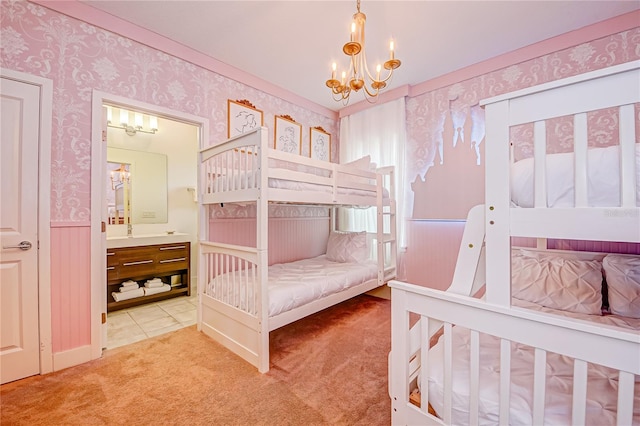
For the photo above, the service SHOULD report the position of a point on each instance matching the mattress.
(247, 178)
(601, 392)
(603, 170)
(240, 182)
(297, 283)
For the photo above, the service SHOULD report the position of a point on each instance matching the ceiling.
(292, 44)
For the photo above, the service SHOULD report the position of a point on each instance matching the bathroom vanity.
(140, 259)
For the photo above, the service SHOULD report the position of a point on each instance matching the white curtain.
(381, 133)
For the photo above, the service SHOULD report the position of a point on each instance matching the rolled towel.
(118, 297)
(153, 284)
(125, 288)
(156, 290)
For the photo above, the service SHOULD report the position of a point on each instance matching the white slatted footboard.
(585, 343)
(234, 312)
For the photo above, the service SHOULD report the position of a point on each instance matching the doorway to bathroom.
(146, 176)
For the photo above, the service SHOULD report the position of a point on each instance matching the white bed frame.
(486, 250)
(245, 331)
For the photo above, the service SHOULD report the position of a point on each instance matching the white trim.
(98, 169)
(72, 357)
(44, 212)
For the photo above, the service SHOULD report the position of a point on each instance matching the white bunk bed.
(498, 359)
(241, 297)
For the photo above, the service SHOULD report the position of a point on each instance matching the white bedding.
(603, 179)
(239, 181)
(297, 283)
(601, 391)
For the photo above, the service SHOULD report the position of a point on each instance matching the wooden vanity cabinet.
(141, 263)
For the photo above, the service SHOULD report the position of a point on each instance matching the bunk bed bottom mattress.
(295, 284)
(601, 392)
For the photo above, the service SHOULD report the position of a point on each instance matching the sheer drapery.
(381, 133)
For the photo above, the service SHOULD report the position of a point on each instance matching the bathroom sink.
(145, 239)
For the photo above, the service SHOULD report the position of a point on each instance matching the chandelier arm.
(390, 73)
(366, 66)
(372, 94)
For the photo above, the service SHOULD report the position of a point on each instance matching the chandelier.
(121, 175)
(358, 75)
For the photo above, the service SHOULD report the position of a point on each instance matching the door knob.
(24, 245)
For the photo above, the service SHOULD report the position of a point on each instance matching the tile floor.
(141, 322)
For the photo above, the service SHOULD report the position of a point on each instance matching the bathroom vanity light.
(138, 122)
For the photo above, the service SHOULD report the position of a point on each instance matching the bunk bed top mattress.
(240, 181)
(294, 284)
(601, 392)
(603, 186)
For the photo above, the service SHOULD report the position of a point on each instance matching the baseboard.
(72, 357)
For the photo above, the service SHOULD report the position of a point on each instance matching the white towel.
(155, 280)
(156, 290)
(118, 297)
(125, 288)
(129, 283)
(153, 284)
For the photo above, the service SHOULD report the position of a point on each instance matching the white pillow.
(623, 279)
(347, 247)
(557, 283)
(363, 163)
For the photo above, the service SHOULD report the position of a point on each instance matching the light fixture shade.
(124, 117)
(153, 122)
(138, 119)
(109, 114)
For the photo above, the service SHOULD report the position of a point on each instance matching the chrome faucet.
(129, 230)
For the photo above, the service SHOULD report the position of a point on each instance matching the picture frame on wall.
(319, 144)
(287, 135)
(242, 117)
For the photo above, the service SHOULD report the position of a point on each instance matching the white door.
(19, 133)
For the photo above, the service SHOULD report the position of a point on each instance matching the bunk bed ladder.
(469, 274)
(386, 215)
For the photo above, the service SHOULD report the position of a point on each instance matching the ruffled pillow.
(347, 247)
(554, 282)
(623, 279)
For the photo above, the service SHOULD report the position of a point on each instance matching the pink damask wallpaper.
(445, 127)
(79, 58)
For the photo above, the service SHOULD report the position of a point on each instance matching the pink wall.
(70, 289)
(432, 251)
(80, 57)
(285, 236)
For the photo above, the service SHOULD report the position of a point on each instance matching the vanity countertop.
(146, 239)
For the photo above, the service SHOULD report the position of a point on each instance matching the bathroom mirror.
(136, 186)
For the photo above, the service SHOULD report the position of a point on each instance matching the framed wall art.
(242, 117)
(287, 135)
(319, 144)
